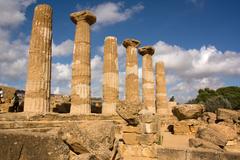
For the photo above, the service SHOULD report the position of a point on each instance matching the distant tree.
(204, 95)
(192, 101)
(213, 103)
(172, 99)
(232, 94)
(225, 97)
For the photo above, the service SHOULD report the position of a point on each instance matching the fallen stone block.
(188, 111)
(228, 115)
(28, 146)
(200, 143)
(212, 136)
(95, 137)
(228, 132)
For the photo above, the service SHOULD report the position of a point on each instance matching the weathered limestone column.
(148, 78)
(161, 91)
(37, 95)
(131, 83)
(81, 67)
(110, 76)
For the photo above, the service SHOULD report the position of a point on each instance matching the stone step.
(30, 124)
(21, 116)
(164, 153)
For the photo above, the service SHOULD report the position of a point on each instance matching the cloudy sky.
(198, 40)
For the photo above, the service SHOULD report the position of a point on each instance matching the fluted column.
(148, 78)
(81, 67)
(37, 95)
(161, 91)
(110, 76)
(131, 83)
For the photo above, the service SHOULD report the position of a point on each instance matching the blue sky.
(198, 40)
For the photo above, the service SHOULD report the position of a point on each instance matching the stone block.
(228, 115)
(131, 129)
(202, 154)
(25, 146)
(147, 139)
(200, 143)
(188, 111)
(212, 136)
(132, 150)
(138, 158)
(230, 156)
(171, 154)
(131, 138)
(187, 127)
(149, 151)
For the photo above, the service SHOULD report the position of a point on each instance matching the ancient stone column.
(37, 95)
(110, 76)
(161, 91)
(131, 83)
(81, 67)
(148, 78)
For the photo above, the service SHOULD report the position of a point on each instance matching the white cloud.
(13, 12)
(61, 72)
(62, 75)
(61, 78)
(97, 76)
(63, 49)
(56, 91)
(204, 62)
(190, 70)
(109, 13)
(13, 59)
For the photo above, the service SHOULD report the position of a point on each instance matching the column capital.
(146, 50)
(131, 42)
(84, 15)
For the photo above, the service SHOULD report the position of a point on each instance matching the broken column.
(148, 78)
(110, 76)
(161, 91)
(37, 95)
(131, 83)
(81, 67)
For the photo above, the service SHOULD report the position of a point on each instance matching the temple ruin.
(81, 68)
(126, 129)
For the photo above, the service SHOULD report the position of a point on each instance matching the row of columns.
(37, 96)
